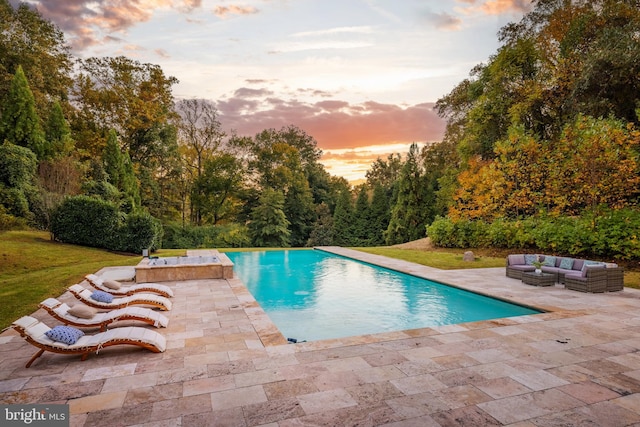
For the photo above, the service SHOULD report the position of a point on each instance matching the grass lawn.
(451, 259)
(444, 260)
(33, 268)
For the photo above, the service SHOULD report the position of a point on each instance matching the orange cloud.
(85, 20)
(496, 7)
(223, 11)
(334, 124)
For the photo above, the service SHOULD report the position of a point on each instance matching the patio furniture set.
(117, 302)
(576, 274)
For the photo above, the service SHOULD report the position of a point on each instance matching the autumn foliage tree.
(549, 124)
(593, 162)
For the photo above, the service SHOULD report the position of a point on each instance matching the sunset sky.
(360, 76)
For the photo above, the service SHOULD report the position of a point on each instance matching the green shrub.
(618, 233)
(87, 221)
(233, 236)
(500, 234)
(17, 165)
(602, 233)
(441, 233)
(10, 222)
(140, 231)
(177, 236)
(14, 201)
(101, 189)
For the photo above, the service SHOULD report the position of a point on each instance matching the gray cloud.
(245, 92)
(442, 21)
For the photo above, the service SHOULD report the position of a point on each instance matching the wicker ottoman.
(539, 279)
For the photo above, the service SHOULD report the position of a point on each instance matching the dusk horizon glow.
(360, 76)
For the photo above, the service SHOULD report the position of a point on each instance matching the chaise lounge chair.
(60, 311)
(153, 288)
(84, 295)
(35, 332)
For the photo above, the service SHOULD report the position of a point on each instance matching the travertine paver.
(227, 364)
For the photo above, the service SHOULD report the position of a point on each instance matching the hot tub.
(195, 265)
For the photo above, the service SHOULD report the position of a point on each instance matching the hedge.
(180, 236)
(89, 221)
(604, 233)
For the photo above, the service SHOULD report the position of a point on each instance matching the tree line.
(111, 130)
(547, 127)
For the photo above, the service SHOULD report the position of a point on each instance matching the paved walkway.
(226, 365)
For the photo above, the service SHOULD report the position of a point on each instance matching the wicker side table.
(539, 279)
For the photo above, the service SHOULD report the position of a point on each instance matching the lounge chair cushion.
(82, 311)
(529, 259)
(102, 296)
(112, 284)
(64, 334)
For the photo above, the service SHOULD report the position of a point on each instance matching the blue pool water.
(312, 295)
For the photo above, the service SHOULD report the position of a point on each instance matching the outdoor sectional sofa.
(576, 274)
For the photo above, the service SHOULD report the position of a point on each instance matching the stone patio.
(226, 365)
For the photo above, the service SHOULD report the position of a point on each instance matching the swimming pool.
(312, 295)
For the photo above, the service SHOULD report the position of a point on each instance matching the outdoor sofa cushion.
(516, 260)
(566, 263)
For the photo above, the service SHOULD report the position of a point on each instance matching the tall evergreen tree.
(299, 209)
(269, 225)
(20, 123)
(278, 160)
(408, 215)
(362, 218)
(323, 232)
(113, 160)
(120, 173)
(38, 46)
(58, 132)
(130, 185)
(379, 215)
(343, 220)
